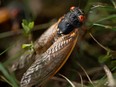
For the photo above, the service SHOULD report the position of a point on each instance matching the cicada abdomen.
(50, 61)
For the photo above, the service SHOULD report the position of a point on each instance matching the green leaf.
(31, 25)
(24, 22)
(26, 29)
(27, 26)
(104, 58)
(26, 46)
(114, 29)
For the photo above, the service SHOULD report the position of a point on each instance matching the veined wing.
(51, 61)
(40, 46)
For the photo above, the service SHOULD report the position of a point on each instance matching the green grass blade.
(8, 76)
(106, 18)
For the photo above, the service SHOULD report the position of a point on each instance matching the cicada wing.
(50, 62)
(46, 39)
(40, 46)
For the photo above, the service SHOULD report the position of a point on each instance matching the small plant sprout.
(27, 26)
(28, 46)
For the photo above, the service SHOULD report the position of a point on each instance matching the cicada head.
(79, 13)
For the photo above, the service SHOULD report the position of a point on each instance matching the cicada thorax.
(71, 20)
(50, 61)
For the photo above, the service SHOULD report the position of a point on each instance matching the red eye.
(81, 18)
(72, 8)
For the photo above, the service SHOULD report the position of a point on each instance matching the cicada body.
(52, 49)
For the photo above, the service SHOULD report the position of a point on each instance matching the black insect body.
(71, 20)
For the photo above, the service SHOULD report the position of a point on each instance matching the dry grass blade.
(67, 80)
(81, 79)
(96, 6)
(111, 80)
(3, 78)
(113, 2)
(107, 49)
(105, 26)
(86, 75)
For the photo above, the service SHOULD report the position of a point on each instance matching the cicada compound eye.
(72, 8)
(81, 18)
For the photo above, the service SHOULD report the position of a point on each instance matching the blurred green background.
(93, 60)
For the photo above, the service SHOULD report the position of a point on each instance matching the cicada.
(53, 48)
